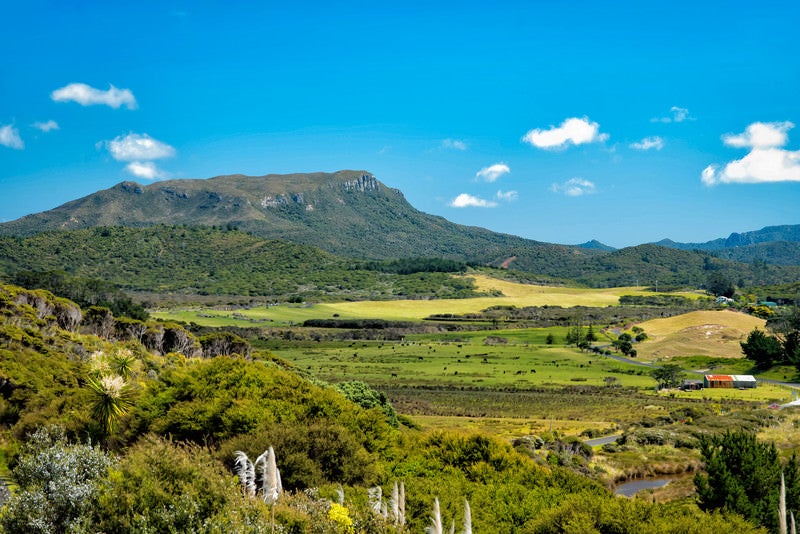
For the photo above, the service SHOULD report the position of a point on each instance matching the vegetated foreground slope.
(699, 333)
(177, 432)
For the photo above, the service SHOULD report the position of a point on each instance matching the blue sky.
(562, 122)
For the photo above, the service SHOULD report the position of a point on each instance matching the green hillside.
(215, 261)
(778, 245)
(209, 261)
(349, 213)
(652, 264)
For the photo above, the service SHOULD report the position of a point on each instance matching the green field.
(514, 294)
(508, 382)
(468, 363)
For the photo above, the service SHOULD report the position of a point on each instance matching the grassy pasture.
(703, 333)
(514, 294)
(764, 393)
(469, 363)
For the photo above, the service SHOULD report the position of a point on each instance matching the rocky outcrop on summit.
(364, 183)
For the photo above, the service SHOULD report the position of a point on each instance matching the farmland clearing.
(714, 333)
(513, 294)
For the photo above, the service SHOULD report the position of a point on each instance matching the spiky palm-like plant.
(112, 398)
(124, 363)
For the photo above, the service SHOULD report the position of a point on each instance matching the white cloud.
(138, 147)
(493, 172)
(574, 130)
(575, 187)
(46, 126)
(465, 200)
(648, 143)
(9, 137)
(678, 114)
(455, 144)
(88, 96)
(760, 135)
(145, 169)
(507, 196)
(766, 162)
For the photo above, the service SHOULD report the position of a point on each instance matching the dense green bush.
(58, 485)
(163, 486)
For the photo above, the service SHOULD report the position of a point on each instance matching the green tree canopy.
(742, 475)
(763, 349)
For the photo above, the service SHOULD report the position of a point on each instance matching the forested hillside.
(349, 213)
(779, 245)
(214, 261)
(209, 261)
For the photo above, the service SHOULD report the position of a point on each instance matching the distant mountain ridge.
(352, 214)
(778, 245)
(348, 213)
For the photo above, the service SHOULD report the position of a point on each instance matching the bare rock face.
(362, 184)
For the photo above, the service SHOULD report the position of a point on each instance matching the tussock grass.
(508, 428)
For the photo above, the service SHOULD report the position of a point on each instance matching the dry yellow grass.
(506, 427)
(699, 333)
(514, 294)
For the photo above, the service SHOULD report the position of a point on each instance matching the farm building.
(718, 381)
(729, 381)
(744, 381)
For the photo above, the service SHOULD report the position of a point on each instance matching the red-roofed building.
(718, 381)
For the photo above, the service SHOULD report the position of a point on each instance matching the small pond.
(632, 487)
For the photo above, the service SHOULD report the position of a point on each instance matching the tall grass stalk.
(246, 472)
(375, 496)
(782, 508)
(467, 517)
(401, 504)
(436, 518)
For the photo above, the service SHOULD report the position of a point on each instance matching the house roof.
(744, 378)
(720, 378)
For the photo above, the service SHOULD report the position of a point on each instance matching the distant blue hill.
(597, 245)
(779, 245)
